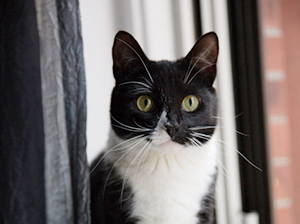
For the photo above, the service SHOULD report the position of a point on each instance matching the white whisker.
(139, 91)
(113, 149)
(201, 128)
(223, 168)
(136, 82)
(121, 157)
(143, 158)
(129, 168)
(130, 127)
(138, 56)
(188, 70)
(207, 137)
(216, 126)
(192, 140)
(147, 81)
(140, 126)
(203, 136)
(199, 59)
(199, 72)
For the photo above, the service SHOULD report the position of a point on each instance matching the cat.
(160, 164)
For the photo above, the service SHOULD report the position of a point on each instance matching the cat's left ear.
(203, 57)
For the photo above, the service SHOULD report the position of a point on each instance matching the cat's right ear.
(203, 57)
(126, 52)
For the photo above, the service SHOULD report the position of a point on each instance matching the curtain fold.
(75, 103)
(43, 166)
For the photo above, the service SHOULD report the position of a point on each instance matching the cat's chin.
(168, 147)
(163, 143)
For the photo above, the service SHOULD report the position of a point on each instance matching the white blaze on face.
(161, 140)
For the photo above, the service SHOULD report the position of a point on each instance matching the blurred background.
(257, 83)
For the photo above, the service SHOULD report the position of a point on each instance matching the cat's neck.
(169, 186)
(138, 152)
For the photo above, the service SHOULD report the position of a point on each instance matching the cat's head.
(167, 103)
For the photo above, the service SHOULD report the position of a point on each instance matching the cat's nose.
(172, 130)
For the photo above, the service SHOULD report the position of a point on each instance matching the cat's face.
(169, 103)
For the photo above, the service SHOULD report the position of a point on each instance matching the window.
(280, 45)
(258, 78)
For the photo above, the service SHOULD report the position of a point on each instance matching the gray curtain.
(44, 171)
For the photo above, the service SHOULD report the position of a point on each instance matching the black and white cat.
(160, 164)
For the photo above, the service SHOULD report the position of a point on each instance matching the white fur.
(168, 180)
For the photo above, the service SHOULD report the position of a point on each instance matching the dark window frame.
(245, 44)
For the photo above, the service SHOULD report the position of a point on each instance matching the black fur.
(106, 205)
(207, 213)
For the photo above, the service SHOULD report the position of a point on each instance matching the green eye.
(190, 103)
(144, 103)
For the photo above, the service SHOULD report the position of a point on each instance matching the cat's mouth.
(161, 137)
(170, 144)
(164, 143)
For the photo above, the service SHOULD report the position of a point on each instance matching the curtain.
(43, 166)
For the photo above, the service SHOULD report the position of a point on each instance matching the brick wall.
(281, 51)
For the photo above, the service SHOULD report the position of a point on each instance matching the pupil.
(190, 101)
(146, 102)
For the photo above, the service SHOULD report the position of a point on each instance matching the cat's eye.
(145, 103)
(190, 103)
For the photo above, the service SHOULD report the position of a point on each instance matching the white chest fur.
(167, 187)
